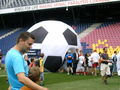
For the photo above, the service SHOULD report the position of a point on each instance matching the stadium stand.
(81, 27)
(106, 35)
(18, 3)
(9, 40)
(4, 31)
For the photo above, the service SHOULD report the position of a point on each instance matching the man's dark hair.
(104, 48)
(32, 59)
(25, 36)
(115, 51)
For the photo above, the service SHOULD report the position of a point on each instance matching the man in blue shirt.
(16, 67)
(69, 57)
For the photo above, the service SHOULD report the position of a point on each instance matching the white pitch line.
(3, 75)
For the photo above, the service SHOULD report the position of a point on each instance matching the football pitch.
(61, 81)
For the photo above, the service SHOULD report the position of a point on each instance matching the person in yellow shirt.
(41, 69)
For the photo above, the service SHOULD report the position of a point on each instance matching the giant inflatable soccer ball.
(54, 38)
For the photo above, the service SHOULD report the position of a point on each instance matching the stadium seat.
(106, 35)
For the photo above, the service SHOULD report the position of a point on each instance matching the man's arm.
(104, 60)
(29, 83)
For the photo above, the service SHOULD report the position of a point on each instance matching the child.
(34, 75)
(41, 69)
(32, 62)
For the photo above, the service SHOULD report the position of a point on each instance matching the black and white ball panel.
(40, 34)
(70, 37)
(53, 63)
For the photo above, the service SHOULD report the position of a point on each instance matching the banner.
(53, 5)
(34, 53)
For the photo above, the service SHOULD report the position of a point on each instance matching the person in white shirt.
(80, 65)
(90, 64)
(95, 59)
(118, 63)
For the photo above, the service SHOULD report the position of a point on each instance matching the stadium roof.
(12, 6)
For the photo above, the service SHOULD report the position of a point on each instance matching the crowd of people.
(92, 63)
(28, 74)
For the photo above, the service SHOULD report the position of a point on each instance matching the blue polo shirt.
(69, 60)
(15, 64)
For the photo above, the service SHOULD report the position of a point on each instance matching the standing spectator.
(90, 64)
(114, 59)
(75, 61)
(25, 56)
(37, 62)
(87, 61)
(32, 63)
(41, 69)
(15, 66)
(118, 63)
(95, 59)
(0, 59)
(81, 65)
(69, 57)
(105, 69)
(25, 63)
